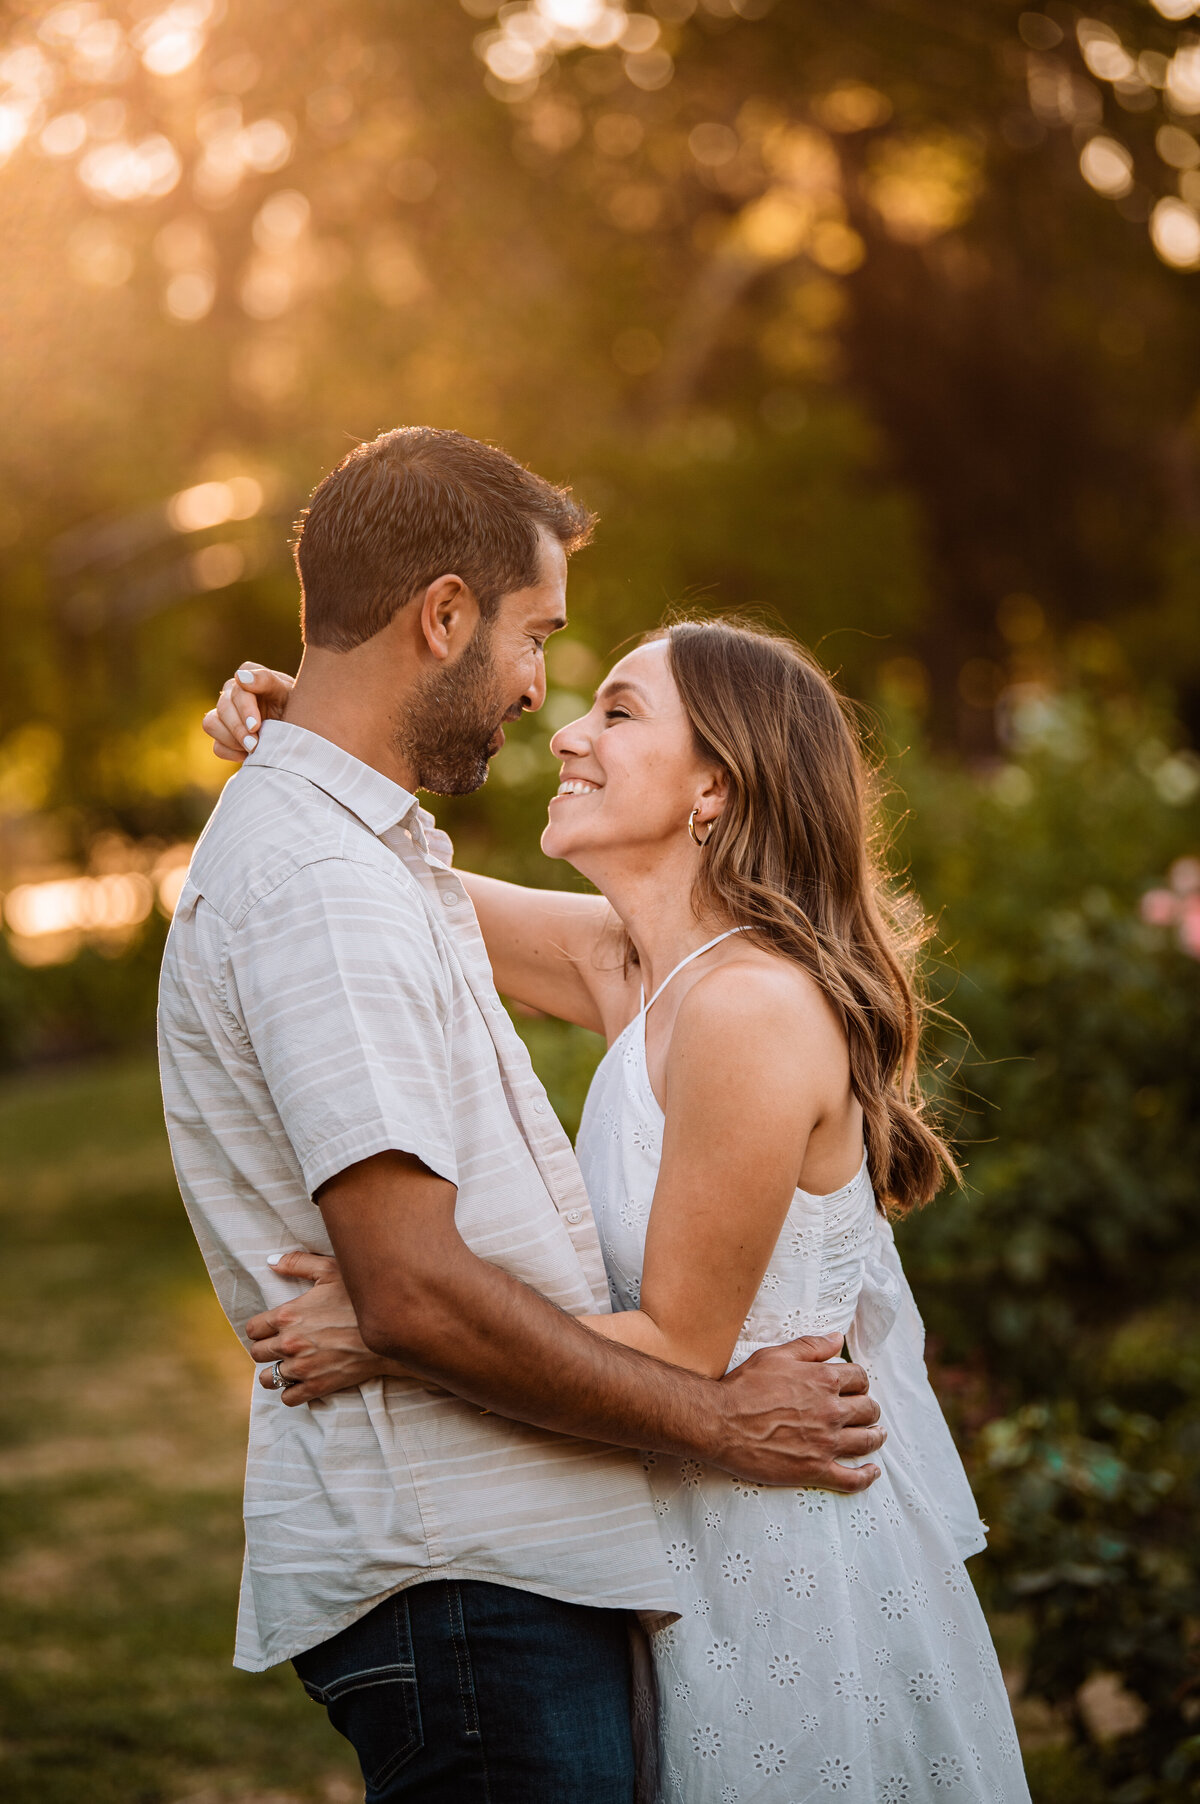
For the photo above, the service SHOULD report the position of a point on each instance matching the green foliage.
(99, 1002)
(1082, 1067)
(1053, 1282)
(801, 522)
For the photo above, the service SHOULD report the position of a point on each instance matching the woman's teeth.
(576, 786)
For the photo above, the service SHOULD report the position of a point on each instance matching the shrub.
(1057, 1284)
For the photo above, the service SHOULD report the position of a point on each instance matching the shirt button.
(450, 897)
(539, 1108)
(574, 1215)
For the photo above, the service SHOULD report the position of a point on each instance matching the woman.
(758, 1095)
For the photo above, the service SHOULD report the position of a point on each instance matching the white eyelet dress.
(830, 1648)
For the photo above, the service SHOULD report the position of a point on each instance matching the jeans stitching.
(466, 1679)
(365, 1678)
(458, 1638)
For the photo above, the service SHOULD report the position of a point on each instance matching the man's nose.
(535, 695)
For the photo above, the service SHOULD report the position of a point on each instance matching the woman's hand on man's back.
(255, 694)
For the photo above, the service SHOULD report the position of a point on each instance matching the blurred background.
(877, 321)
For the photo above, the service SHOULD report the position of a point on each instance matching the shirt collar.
(378, 802)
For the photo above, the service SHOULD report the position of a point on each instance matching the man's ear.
(449, 614)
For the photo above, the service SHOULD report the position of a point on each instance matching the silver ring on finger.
(278, 1381)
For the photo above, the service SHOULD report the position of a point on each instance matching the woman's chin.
(558, 843)
(555, 843)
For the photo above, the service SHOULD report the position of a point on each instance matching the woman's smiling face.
(631, 773)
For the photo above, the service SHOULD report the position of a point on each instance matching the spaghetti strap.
(707, 947)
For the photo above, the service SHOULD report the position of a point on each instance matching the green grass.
(121, 1443)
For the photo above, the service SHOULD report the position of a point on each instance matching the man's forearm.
(498, 1344)
(425, 1300)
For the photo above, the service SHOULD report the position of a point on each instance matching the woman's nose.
(571, 739)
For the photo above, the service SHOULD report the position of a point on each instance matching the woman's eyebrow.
(618, 686)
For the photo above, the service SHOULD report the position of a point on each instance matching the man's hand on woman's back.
(794, 1413)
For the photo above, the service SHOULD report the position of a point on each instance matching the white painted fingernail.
(274, 1258)
(250, 741)
(252, 721)
(246, 678)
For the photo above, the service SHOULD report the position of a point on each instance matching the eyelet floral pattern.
(769, 1757)
(723, 1656)
(738, 1567)
(707, 1741)
(632, 1213)
(800, 1581)
(828, 1648)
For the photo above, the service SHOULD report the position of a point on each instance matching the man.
(449, 1560)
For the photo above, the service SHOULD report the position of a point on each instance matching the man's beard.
(451, 721)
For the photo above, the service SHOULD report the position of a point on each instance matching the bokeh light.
(1175, 232)
(1106, 166)
(210, 504)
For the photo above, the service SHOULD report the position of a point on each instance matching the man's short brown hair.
(413, 505)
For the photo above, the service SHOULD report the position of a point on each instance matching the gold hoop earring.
(696, 839)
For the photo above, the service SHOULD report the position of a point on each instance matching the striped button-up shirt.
(326, 996)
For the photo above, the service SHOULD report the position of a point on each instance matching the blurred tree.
(700, 233)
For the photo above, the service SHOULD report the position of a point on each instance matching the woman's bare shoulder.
(763, 1003)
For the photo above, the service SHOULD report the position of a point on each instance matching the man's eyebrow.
(553, 623)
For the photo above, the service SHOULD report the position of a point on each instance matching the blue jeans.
(458, 1691)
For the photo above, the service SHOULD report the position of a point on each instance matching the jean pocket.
(367, 1680)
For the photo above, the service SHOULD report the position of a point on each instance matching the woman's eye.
(617, 714)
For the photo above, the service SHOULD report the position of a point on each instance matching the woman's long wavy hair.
(796, 856)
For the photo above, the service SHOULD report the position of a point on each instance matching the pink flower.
(1184, 876)
(1189, 927)
(1160, 908)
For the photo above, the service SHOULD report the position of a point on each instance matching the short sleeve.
(336, 980)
